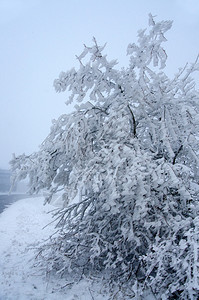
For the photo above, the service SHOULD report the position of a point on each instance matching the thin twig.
(176, 154)
(133, 119)
(91, 293)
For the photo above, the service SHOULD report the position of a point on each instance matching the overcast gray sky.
(40, 38)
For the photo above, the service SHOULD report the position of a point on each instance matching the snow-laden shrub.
(126, 165)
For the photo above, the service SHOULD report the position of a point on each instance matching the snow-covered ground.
(21, 228)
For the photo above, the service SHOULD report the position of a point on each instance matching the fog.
(39, 39)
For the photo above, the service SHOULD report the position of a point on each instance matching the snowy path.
(20, 230)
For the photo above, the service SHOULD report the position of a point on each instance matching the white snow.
(21, 228)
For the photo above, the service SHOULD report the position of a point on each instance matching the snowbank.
(21, 228)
